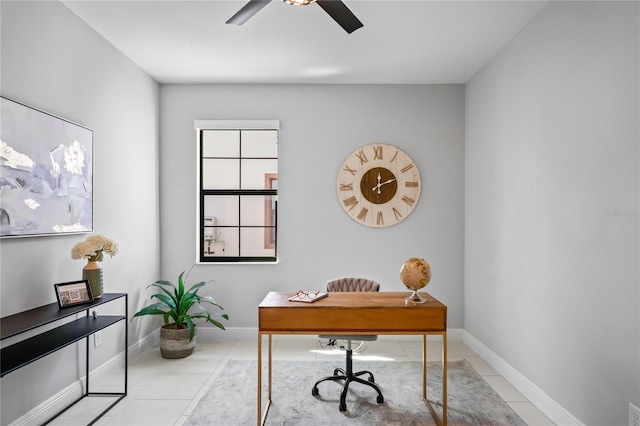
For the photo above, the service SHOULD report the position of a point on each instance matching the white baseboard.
(68, 395)
(51, 406)
(544, 402)
(144, 344)
(75, 390)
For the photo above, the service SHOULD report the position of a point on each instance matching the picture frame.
(47, 173)
(73, 293)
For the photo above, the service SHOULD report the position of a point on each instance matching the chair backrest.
(352, 284)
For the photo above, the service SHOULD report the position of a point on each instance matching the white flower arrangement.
(93, 247)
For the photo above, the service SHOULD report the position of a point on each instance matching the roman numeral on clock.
(346, 187)
(363, 214)
(379, 219)
(362, 157)
(350, 170)
(397, 214)
(350, 202)
(408, 200)
(404, 169)
(377, 153)
(411, 184)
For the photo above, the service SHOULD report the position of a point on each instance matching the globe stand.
(414, 299)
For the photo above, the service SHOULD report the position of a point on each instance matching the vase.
(92, 272)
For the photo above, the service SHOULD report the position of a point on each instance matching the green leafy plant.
(181, 307)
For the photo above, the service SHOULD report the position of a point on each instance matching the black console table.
(25, 352)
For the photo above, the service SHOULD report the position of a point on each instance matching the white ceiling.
(402, 42)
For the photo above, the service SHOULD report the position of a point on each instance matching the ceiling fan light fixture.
(338, 11)
(299, 2)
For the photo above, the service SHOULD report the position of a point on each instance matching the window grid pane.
(220, 173)
(238, 196)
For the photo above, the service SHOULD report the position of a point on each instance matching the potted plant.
(179, 308)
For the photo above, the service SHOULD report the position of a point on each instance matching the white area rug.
(232, 398)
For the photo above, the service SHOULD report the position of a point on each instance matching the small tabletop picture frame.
(73, 293)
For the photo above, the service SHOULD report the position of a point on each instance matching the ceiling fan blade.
(247, 11)
(341, 14)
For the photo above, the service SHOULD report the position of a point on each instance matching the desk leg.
(262, 417)
(444, 379)
(259, 378)
(269, 387)
(440, 421)
(424, 367)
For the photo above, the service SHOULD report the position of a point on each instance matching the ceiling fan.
(335, 8)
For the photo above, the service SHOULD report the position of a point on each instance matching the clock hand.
(378, 185)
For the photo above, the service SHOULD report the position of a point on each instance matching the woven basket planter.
(174, 342)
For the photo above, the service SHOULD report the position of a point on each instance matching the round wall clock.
(378, 185)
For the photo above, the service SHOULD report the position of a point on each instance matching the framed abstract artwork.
(46, 173)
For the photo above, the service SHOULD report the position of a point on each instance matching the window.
(238, 191)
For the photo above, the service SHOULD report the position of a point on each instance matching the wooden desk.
(374, 313)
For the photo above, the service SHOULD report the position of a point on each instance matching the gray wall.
(317, 241)
(552, 190)
(53, 61)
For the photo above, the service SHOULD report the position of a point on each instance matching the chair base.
(349, 376)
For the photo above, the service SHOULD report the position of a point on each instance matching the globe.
(415, 274)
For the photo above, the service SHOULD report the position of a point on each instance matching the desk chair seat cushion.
(359, 337)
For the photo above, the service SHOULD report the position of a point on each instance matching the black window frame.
(239, 193)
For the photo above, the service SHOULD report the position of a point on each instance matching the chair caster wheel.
(371, 379)
(380, 399)
(343, 408)
(314, 391)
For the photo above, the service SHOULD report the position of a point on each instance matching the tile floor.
(154, 381)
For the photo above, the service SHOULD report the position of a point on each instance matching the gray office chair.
(347, 374)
